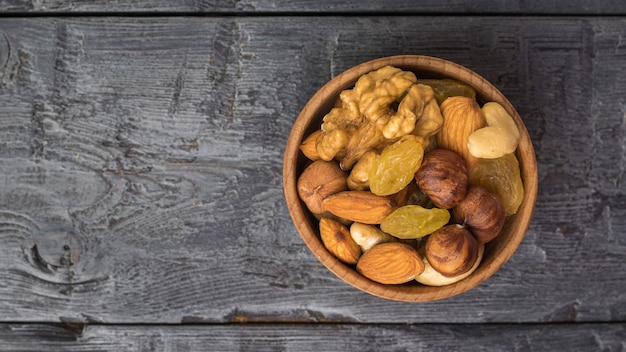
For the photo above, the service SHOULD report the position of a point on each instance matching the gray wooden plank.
(141, 172)
(573, 7)
(315, 337)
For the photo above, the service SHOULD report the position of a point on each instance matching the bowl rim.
(517, 224)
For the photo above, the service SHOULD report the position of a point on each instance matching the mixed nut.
(410, 178)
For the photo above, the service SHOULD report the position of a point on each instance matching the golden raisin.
(445, 88)
(414, 221)
(396, 165)
(502, 177)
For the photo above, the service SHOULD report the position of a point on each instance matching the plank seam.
(304, 14)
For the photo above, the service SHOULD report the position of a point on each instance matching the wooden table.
(141, 200)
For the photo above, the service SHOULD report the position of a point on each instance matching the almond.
(360, 206)
(461, 117)
(337, 239)
(308, 146)
(391, 263)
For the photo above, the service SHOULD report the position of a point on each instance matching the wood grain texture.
(573, 7)
(314, 337)
(141, 163)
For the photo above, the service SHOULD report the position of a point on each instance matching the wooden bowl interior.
(496, 253)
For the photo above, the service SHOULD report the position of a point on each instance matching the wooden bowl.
(497, 252)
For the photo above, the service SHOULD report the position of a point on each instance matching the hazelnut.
(443, 177)
(432, 277)
(318, 181)
(481, 212)
(337, 239)
(408, 195)
(451, 250)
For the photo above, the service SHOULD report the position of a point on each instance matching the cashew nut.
(358, 180)
(500, 137)
(367, 236)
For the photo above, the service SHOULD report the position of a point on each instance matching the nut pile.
(411, 178)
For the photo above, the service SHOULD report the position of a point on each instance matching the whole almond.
(461, 117)
(308, 146)
(359, 206)
(337, 239)
(390, 263)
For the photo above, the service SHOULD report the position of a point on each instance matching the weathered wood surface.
(571, 7)
(141, 166)
(312, 337)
